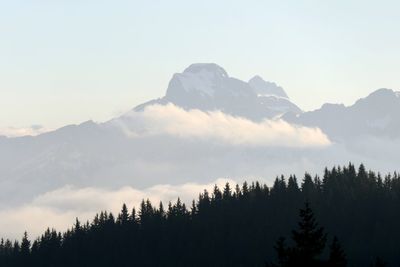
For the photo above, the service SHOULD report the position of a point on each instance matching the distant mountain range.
(377, 115)
(208, 87)
(102, 154)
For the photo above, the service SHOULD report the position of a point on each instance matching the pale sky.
(68, 61)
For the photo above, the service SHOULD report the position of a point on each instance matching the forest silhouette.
(348, 217)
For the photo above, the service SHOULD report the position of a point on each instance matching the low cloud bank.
(59, 208)
(24, 131)
(216, 125)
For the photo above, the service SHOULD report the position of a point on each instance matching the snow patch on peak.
(200, 78)
(207, 86)
(265, 88)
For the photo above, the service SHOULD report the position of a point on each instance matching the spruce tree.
(25, 245)
(282, 252)
(337, 257)
(25, 250)
(123, 217)
(310, 239)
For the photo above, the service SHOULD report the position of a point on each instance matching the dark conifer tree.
(25, 247)
(123, 217)
(227, 192)
(308, 188)
(310, 239)
(337, 257)
(283, 253)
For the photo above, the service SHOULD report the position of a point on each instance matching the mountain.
(108, 155)
(102, 154)
(376, 115)
(208, 87)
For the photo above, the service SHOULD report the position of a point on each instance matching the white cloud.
(175, 121)
(59, 208)
(23, 131)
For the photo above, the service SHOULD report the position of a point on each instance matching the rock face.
(207, 86)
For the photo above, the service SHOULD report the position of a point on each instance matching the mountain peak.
(207, 86)
(199, 78)
(265, 88)
(379, 97)
(382, 92)
(206, 67)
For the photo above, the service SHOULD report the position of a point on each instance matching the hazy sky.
(67, 61)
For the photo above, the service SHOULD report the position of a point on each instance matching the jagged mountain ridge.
(207, 86)
(376, 115)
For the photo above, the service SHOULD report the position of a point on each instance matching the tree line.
(238, 226)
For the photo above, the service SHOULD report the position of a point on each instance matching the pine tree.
(25, 244)
(337, 257)
(238, 191)
(308, 187)
(282, 252)
(217, 195)
(25, 250)
(310, 239)
(227, 192)
(123, 217)
(309, 242)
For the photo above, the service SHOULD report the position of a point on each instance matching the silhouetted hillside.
(232, 226)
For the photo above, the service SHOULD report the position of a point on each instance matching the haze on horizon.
(67, 62)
